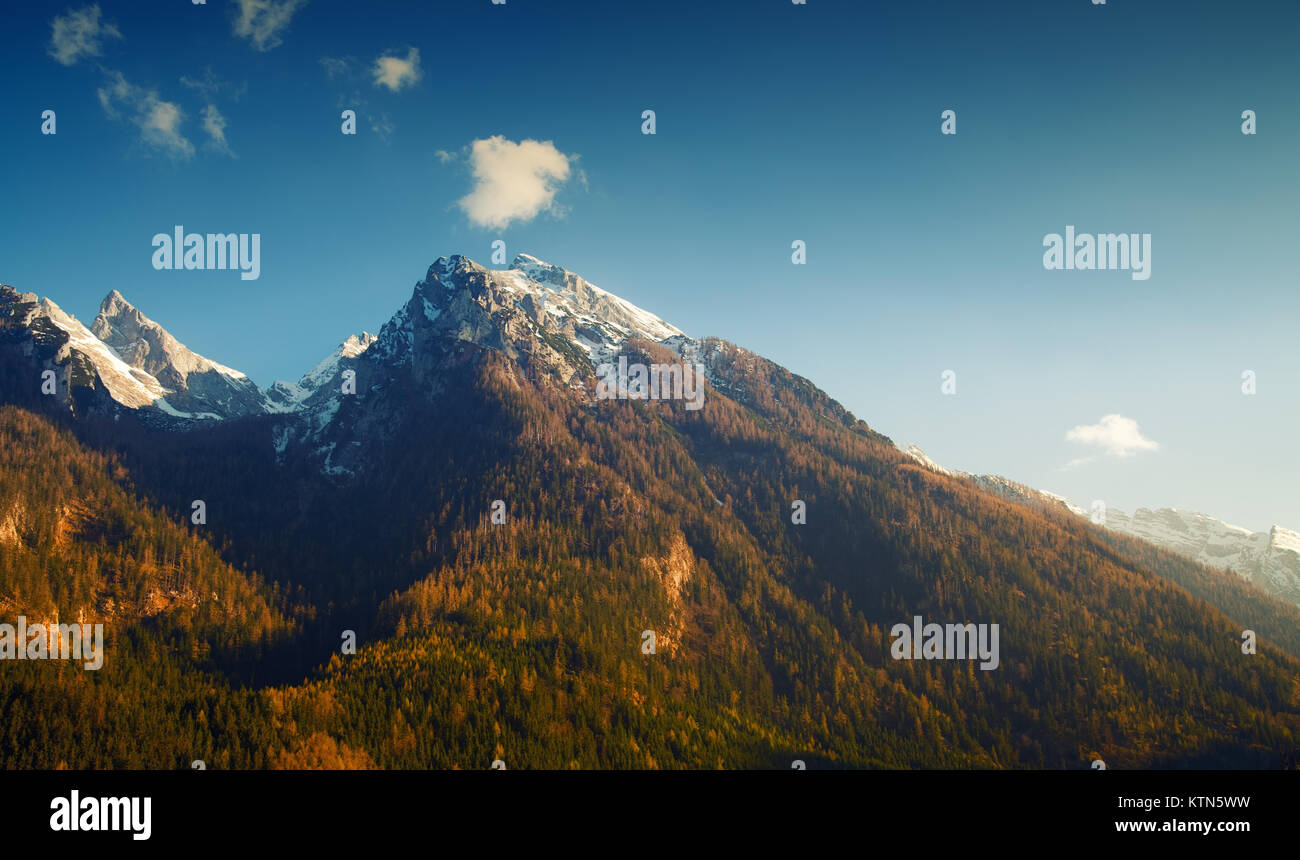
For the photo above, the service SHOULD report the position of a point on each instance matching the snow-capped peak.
(290, 396)
(356, 344)
(199, 386)
(509, 309)
(127, 385)
(523, 260)
(920, 456)
(539, 270)
(1284, 539)
(145, 344)
(573, 294)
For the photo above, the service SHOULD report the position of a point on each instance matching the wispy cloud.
(80, 33)
(263, 22)
(336, 66)
(213, 87)
(395, 72)
(513, 181)
(352, 76)
(1114, 435)
(383, 127)
(159, 121)
(215, 125)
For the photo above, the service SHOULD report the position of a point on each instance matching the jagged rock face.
(532, 311)
(548, 322)
(326, 376)
(195, 385)
(21, 318)
(550, 325)
(541, 317)
(39, 336)
(1269, 559)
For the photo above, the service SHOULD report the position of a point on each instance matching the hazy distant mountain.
(1269, 559)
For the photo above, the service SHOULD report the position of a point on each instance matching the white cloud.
(444, 156)
(215, 125)
(159, 121)
(395, 73)
(78, 34)
(262, 22)
(514, 181)
(1115, 435)
(1076, 463)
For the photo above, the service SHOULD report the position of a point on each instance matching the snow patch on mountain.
(127, 385)
(919, 456)
(144, 343)
(197, 386)
(565, 293)
(1284, 540)
(285, 397)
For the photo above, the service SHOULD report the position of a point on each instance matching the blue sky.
(775, 122)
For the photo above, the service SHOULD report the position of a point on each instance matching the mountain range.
(535, 574)
(1270, 559)
(142, 366)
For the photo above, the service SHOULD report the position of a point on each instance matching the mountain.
(536, 573)
(291, 396)
(522, 312)
(533, 306)
(38, 335)
(542, 318)
(124, 360)
(196, 386)
(1268, 559)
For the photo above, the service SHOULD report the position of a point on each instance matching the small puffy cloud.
(262, 22)
(159, 121)
(215, 125)
(445, 157)
(1115, 435)
(395, 73)
(160, 125)
(79, 33)
(513, 181)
